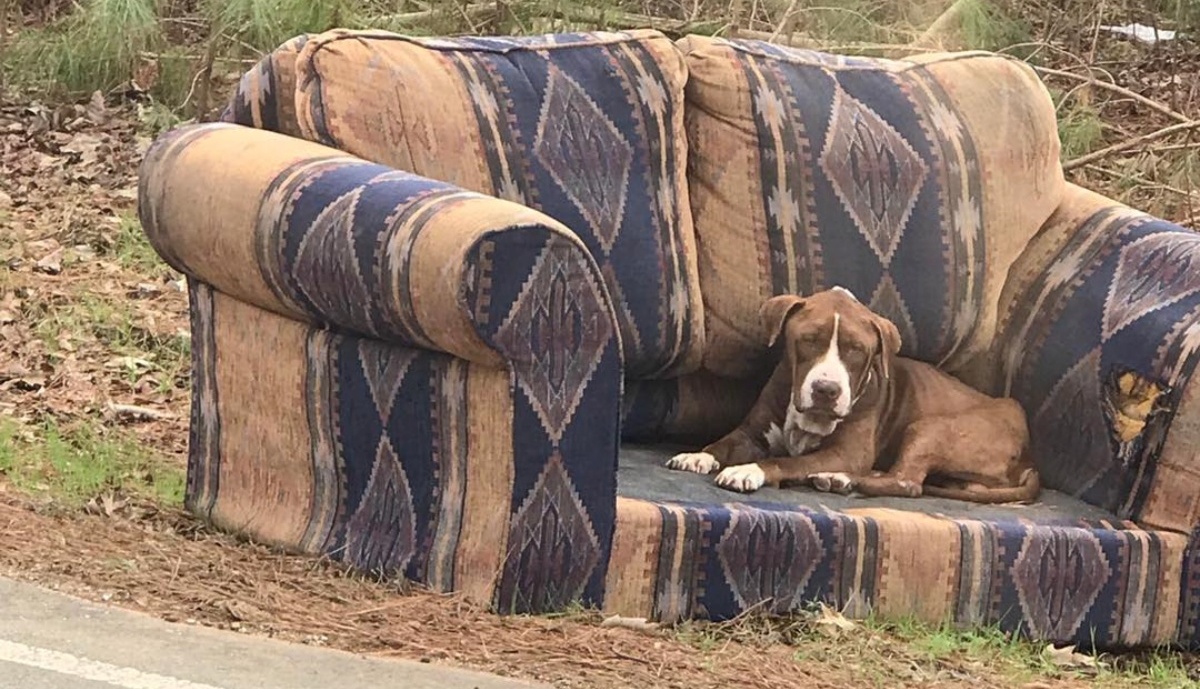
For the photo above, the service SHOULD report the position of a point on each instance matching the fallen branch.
(787, 22)
(632, 20)
(1130, 144)
(1108, 86)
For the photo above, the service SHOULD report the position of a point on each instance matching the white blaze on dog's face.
(826, 385)
(831, 341)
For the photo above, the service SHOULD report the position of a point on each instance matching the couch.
(454, 301)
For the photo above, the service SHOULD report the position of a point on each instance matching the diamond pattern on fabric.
(381, 534)
(1058, 575)
(874, 171)
(1070, 425)
(556, 330)
(769, 556)
(385, 368)
(889, 303)
(553, 547)
(585, 153)
(1152, 273)
(325, 258)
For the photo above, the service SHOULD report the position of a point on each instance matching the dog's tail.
(1026, 491)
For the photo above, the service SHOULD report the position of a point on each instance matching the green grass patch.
(988, 26)
(888, 652)
(132, 250)
(1080, 129)
(97, 46)
(73, 464)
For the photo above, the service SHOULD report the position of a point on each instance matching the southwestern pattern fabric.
(1099, 342)
(422, 326)
(1108, 584)
(587, 128)
(265, 96)
(363, 436)
(913, 184)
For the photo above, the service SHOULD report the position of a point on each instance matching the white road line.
(67, 664)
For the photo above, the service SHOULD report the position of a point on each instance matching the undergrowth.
(73, 464)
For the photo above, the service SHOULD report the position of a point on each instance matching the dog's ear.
(889, 343)
(774, 313)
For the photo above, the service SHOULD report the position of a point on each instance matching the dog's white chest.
(790, 441)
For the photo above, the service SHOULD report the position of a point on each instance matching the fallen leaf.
(51, 264)
(97, 110)
(1067, 657)
(831, 621)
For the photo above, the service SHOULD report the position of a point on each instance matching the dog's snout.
(826, 391)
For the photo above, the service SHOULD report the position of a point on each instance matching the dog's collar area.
(862, 386)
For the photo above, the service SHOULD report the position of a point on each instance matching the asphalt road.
(52, 641)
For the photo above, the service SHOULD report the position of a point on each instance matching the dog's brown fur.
(911, 429)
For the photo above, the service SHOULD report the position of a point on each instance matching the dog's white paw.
(832, 482)
(745, 478)
(698, 462)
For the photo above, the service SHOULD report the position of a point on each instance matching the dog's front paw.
(832, 482)
(744, 478)
(698, 462)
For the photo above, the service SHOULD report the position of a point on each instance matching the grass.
(875, 646)
(73, 464)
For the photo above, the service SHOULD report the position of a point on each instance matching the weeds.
(73, 464)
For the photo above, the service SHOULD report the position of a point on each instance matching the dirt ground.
(93, 334)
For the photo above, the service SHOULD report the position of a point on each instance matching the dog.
(843, 413)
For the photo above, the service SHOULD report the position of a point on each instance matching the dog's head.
(835, 346)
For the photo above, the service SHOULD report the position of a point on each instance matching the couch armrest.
(311, 233)
(1099, 339)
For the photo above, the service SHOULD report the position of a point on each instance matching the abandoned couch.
(454, 302)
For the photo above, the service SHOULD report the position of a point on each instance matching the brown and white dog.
(842, 412)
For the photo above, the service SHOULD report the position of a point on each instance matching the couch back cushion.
(587, 128)
(914, 183)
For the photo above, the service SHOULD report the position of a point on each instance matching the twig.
(785, 23)
(1130, 144)
(943, 25)
(1108, 86)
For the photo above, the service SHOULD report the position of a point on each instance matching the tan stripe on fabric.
(266, 481)
(1010, 115)
(723, 145)
(489, 478)
(633, 565)
(671, 603)
(367, 85)
(1137, 608)
(918, 564)
(450, 407)
(1164, 627)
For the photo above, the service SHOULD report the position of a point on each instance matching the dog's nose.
(826, 390)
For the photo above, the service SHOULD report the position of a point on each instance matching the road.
(52, 641)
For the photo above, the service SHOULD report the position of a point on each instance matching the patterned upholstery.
(1099, 338)
(914, 184)
(391, 369)
(584, 127)
(422, 326)
(1110, 583)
